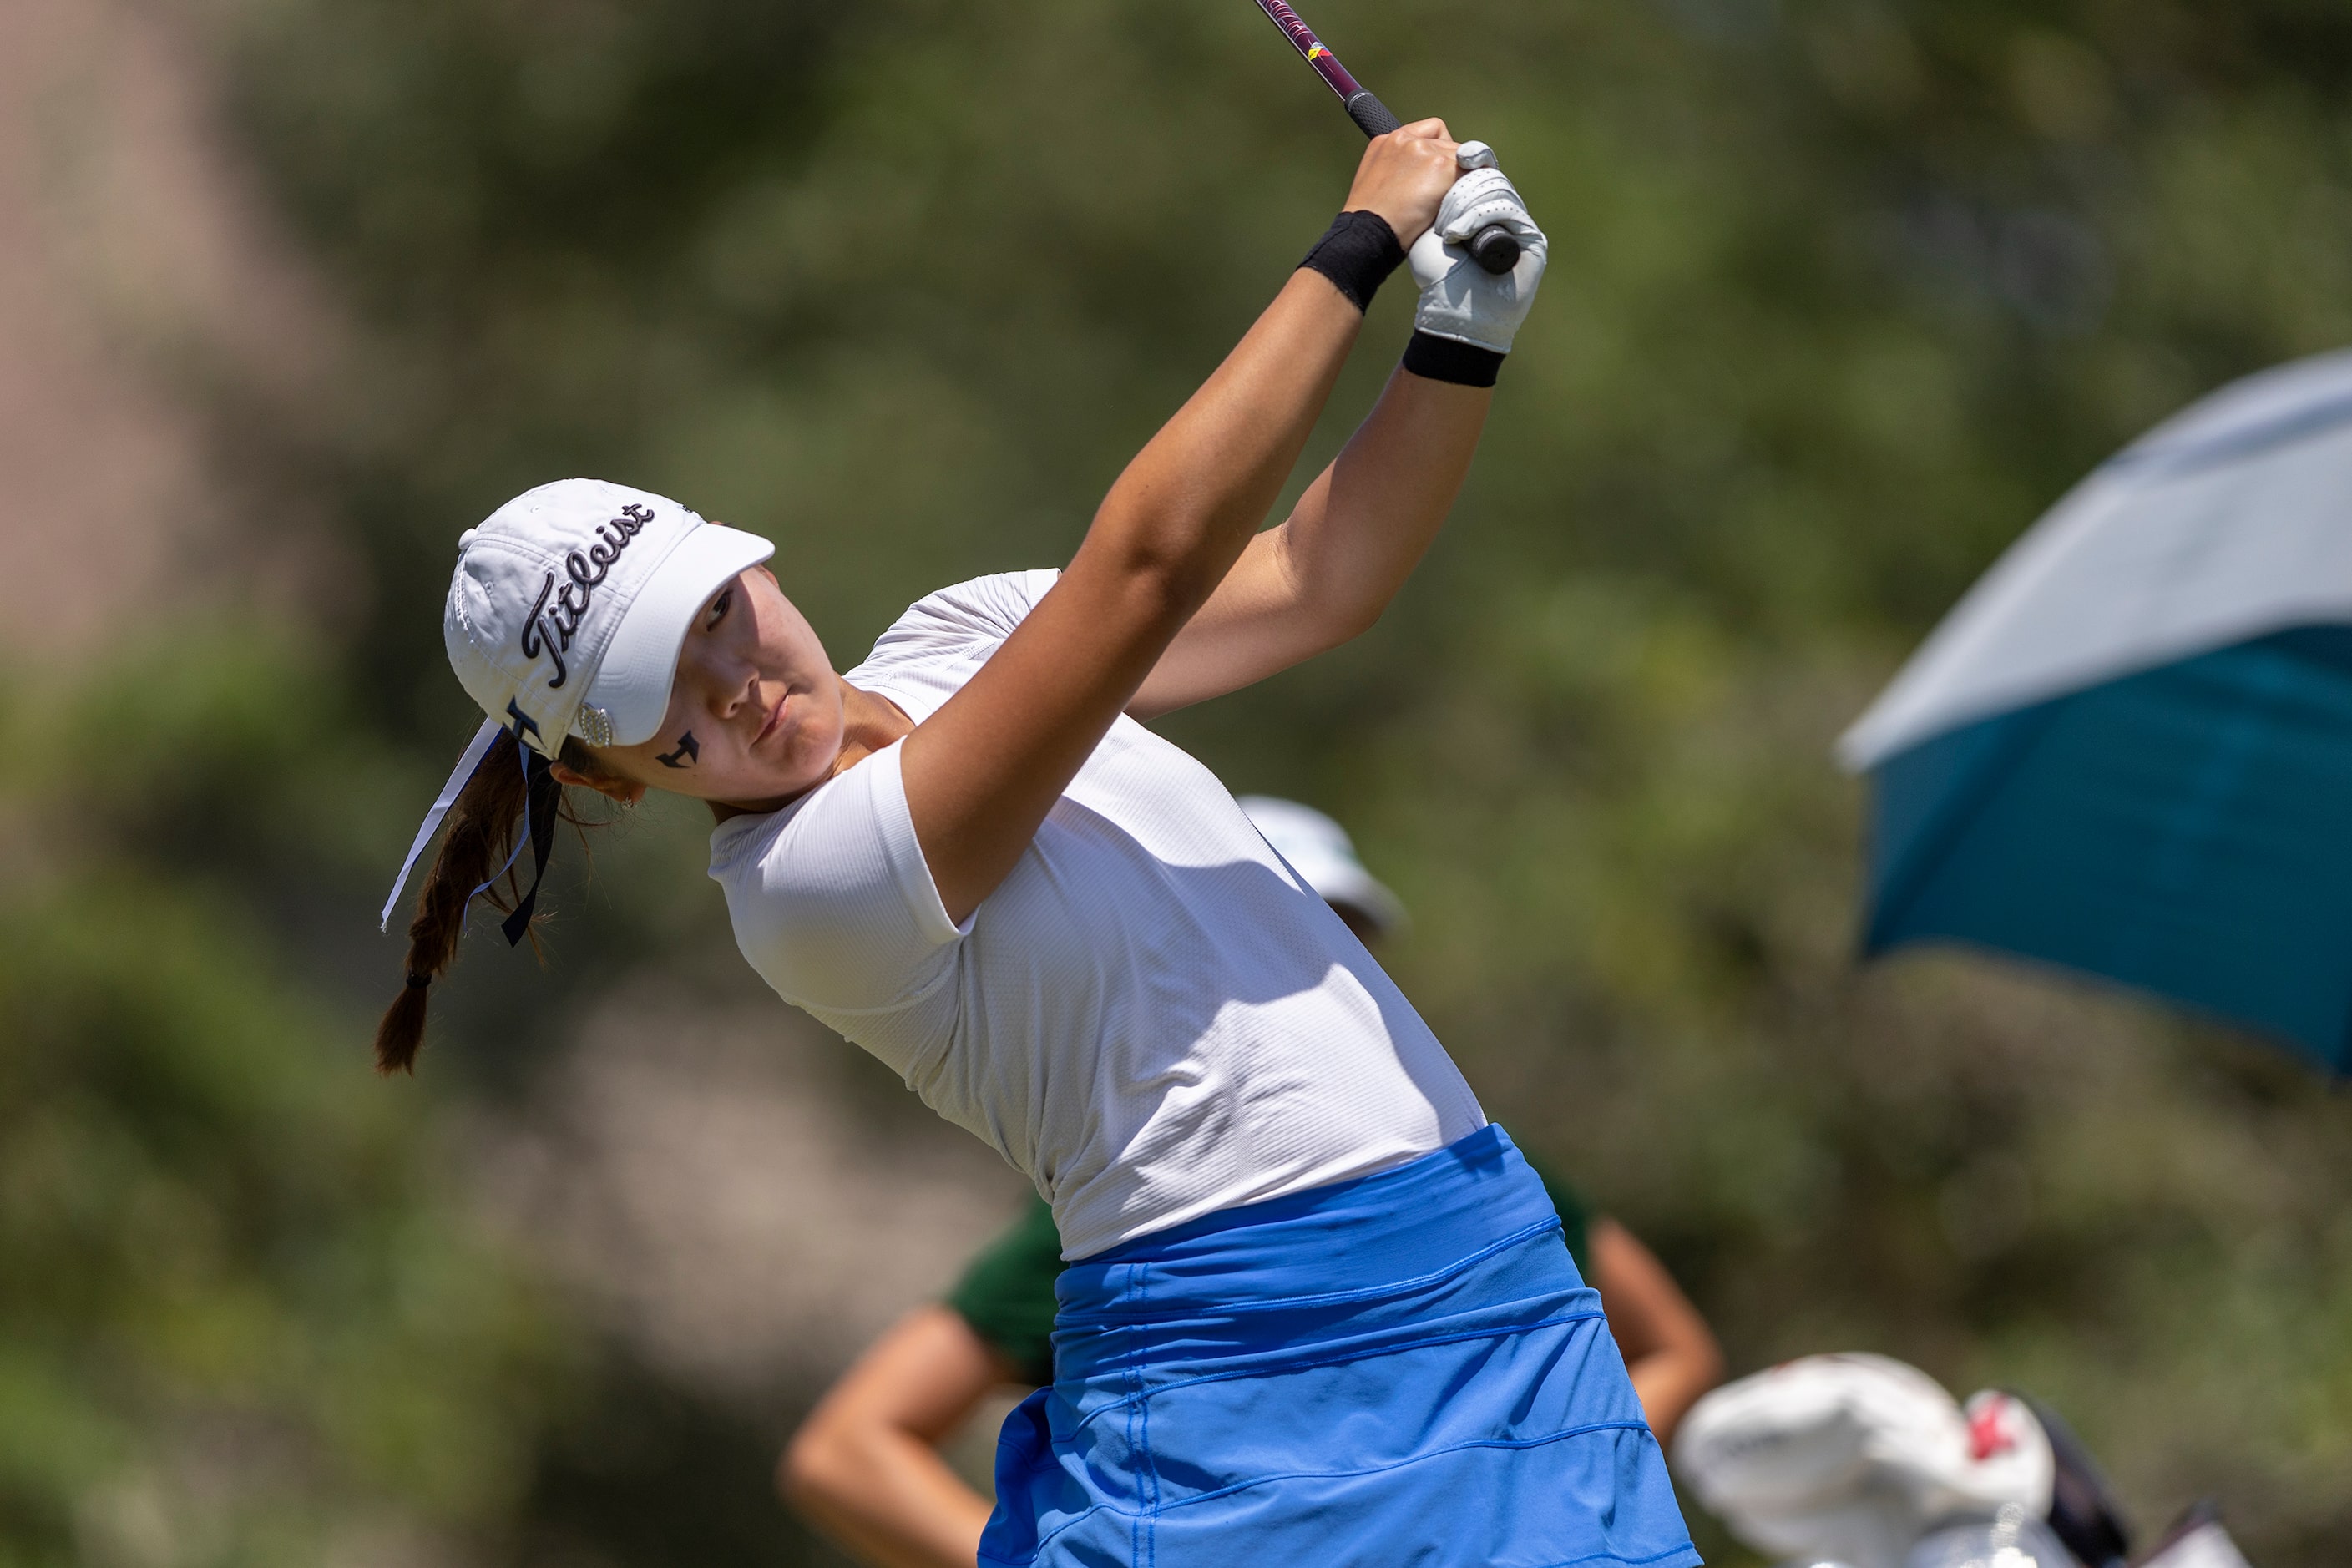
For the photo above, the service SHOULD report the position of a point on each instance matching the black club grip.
(1495, 248)
(1370, 115)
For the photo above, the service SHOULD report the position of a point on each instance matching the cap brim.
(633, 682)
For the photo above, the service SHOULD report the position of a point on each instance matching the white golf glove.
(1459, 298)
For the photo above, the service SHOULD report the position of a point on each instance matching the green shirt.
(1006, 1293)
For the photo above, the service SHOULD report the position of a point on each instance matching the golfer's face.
(755, 713)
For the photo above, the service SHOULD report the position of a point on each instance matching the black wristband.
(1450, 358)
(1357, 253)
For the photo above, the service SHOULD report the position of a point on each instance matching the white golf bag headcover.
(1852, 1457)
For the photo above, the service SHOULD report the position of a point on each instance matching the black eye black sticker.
(688, 748)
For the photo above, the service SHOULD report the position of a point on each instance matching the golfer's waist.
(1401, 1234)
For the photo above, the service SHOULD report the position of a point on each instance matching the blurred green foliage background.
(1843, 292)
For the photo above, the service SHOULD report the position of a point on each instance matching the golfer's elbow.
(1328, 594)
(1170, 533)
(1330, 608)
(1348, 619)
(1155, 581)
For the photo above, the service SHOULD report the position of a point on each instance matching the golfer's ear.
(629, 792)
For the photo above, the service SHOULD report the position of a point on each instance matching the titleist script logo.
(550, 628)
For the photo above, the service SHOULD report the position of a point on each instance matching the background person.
(865, 1466)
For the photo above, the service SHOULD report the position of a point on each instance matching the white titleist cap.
(570, 603)
(565, 615)
(1320, 851)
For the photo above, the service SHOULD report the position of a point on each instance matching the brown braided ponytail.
(478, 839)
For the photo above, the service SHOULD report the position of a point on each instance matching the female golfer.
(1319, 1309)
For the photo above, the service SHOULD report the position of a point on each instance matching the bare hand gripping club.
(1491, 247)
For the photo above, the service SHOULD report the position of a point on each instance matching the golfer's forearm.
(1183, 509)
(889, 1498)
(1365, 522)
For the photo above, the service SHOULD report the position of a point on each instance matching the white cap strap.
(441, 805)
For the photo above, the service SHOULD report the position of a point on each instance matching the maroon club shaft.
(1370, 115)
(1327, 64)
(1492, 248)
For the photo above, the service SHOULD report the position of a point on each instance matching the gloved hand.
(1459, 298)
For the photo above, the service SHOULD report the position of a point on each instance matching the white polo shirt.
(1152, 1015)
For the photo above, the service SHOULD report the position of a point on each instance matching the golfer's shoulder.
(839, 841)
(830, 898)
(981, 611)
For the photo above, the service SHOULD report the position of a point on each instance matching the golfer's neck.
(868, 723)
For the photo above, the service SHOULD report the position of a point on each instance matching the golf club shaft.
(1492, 248)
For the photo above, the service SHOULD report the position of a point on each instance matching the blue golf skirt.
(1402, 1369)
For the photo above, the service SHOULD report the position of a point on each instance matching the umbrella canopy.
(2128, 750)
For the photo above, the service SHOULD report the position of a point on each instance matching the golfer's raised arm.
(982, 772)
(1325, 574)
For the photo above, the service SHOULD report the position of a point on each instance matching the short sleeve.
(835, 906)
(970, 617)
(1007, 1292)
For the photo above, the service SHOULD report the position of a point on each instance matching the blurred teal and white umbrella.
(2128, 750)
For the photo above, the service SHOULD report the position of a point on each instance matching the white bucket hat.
(1320, 851)
(565, 615)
